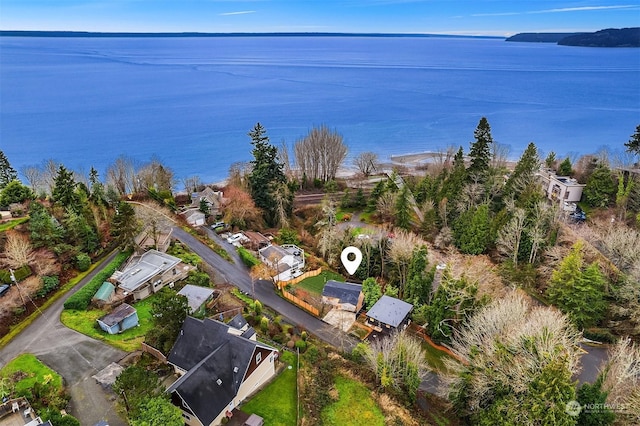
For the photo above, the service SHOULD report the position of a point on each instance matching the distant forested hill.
(540, 37)
(624, 37)
(612, 37)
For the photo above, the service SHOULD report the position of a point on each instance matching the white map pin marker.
(351, 265)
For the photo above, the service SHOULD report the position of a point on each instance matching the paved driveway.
(75, 357)
(265, 292)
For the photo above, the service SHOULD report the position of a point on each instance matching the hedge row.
(21, 273)
(248, 258)
(80, 299)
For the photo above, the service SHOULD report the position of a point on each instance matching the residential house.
(560, 188)
(219, 367)
(256, 241)
(194, 217)
(121, 318)
(389, 313)
(150, 238)
(146, 274)
(287, 260)
(18, 411)
(197, 298)
(212, 197)
(344, 296)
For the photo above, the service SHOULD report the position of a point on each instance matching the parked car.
(3, 289)
(235, 237)
(218, 225)
(578, 216)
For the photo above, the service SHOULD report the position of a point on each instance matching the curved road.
(74, 356)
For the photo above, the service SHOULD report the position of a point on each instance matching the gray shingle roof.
(345, 292)
(389, 310)
(195, 295)
(150, 264)
(118, 314)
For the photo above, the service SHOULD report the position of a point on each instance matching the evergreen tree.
(633, 145)
(452, 185)
(158, 411)
(550, 161)
(419, 279)
(15, 192)
(472, 230)
(168, 311)
(7, 173)
(45, 231)
(452, 302)
(600, 189)
(578, 291)
(96, 187)
(64, 189)
(372, 292)
(589, 394)
(565, 168)
(266, 174)
(125, 226)
(403, 209)
(524, 172)
(480, 151)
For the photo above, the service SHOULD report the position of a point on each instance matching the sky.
(464, 17)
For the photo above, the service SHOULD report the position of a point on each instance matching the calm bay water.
(191, 101)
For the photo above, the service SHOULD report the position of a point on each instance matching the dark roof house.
(218, 369)
(389, 312)
(345, 296)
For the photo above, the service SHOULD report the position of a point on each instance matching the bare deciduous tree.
(238, 173)
(18, 250)
(34, 178)
(510, 235)
(622, 245)
(320, 153)
(154, 175)
(283, 158)
(400, 253)
(156, 220)
(366, 162)
(622, 378)
(192, 184)
(506, 345)
(121, 174)
(499, 155)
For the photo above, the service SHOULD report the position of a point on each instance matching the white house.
(560, 188)
(287, 260)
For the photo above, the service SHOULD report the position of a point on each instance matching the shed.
(120, 319)
(345, 296)
(105, 292)
(197, 297)
(254, 420)
(389, 311)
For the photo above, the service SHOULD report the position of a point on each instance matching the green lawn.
(434, 357)
(33, 370)
(276, 403)
(14, 222)
(355, 406)
(316, 284)
(85, 323)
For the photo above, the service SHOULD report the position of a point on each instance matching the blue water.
(191, 101)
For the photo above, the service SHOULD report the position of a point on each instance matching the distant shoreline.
(27, 33)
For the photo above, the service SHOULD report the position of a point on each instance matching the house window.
(566, 195)
(258, 357)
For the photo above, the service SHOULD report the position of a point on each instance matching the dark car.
(3, 289)
(578, 216)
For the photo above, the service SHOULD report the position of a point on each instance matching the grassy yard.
(85, 323)
(316, 284)
(355, 406)
(277, 402)
(434, 357)
(12, 223)
(32, 370)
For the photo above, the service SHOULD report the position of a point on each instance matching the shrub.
(83, 262)
(21, 273)
(247, 258)
(304, 335)
(301, 345)
(49, 283)
(81, 298)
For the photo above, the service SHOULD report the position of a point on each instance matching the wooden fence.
(297, 301)
(154, 352)
(282, 284)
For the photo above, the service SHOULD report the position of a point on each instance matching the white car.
(235, 237)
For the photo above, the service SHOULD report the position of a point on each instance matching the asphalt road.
(74, 356)
(265, 292)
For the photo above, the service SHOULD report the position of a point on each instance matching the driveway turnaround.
(75, 357)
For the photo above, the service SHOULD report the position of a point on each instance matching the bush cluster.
(80, 299)
(83, 262)
(49, 283)
(247, 258)
(21, 273)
